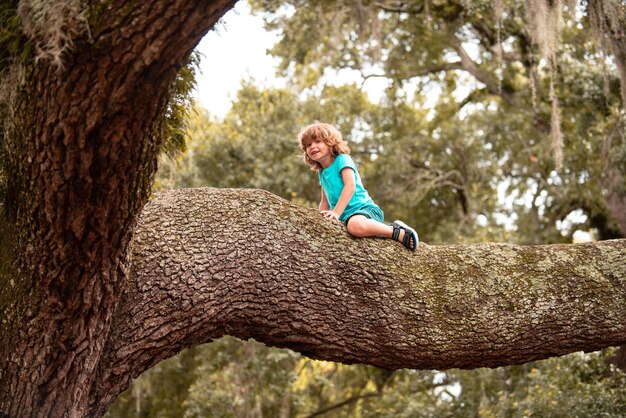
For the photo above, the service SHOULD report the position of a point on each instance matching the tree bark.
(211, 262)
(80, 154)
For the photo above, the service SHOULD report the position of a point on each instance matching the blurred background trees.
(501, 121)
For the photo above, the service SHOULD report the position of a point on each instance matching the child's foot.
(405, 234)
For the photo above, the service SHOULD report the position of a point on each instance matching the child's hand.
(330, 215)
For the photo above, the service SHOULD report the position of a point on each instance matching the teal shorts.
(372, 212)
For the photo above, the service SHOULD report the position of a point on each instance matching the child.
(343, 196)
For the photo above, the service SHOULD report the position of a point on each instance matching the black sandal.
(409, 233)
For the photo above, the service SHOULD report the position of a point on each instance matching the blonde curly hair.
(325, 132)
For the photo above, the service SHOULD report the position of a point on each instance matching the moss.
(53, 25)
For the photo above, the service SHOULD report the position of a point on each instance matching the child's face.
(317, 150)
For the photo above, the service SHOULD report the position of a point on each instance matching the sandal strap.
(408, 235)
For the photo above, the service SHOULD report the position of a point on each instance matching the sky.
(235, 50)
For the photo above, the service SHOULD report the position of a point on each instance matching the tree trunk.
(211, 262)
(80, 155)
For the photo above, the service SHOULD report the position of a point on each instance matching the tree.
(82, 314)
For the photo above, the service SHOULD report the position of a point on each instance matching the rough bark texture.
(80, 159)
(210, 262)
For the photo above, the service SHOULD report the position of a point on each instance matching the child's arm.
(324, 202)
(349, 186)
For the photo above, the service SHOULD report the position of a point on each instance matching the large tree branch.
(343, 403)
(397, 7)
(210, 262)
(471, 67)
(465, 64)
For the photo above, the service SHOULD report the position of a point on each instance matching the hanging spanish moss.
(533, 91)
(544, 23)
(556, 135)
(498, 11)
(52, 25)
(606, 86)
(545, 18)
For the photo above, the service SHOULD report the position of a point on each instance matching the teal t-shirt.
(332, 183)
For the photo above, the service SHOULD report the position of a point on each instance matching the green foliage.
(227, 378)
(161, 391)
(253, 147)
(231, 378)
(179, 107)
(235, 382)
(14, 45)
(577, 385)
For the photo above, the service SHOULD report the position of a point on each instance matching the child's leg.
(362, 226)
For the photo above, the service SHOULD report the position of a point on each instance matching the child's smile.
(319, 151)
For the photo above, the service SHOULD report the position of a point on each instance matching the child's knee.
(356, 227)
